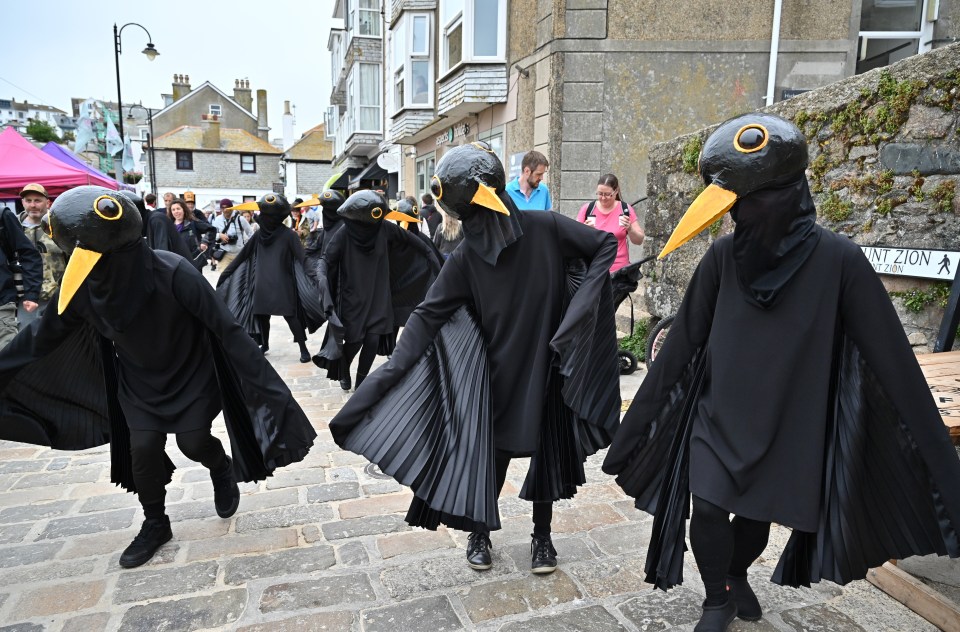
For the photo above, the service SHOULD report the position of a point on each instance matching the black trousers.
(296, 328)
(149, 473)
(367, 350)
(722, 547)
(542, 511)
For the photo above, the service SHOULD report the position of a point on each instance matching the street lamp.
(150, 51)
(153, 170)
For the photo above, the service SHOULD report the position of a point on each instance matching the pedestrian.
(119, 364)
(267, 278)
(368, 273)
(431, 214)
(610, 213)
(480, 376)
(787, 392)
(448, 235)
(21, 267)
(150, 201)
(168, 197)
(194, 232)
(233, 233)
(191, 201)
(158, 229)
(528, 191)
(36, 204)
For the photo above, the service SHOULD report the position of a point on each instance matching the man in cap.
(36, 204)
(15, 247)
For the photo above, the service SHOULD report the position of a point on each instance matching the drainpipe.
(774, 51)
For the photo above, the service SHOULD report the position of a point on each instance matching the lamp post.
(150, 51)
(153, 170)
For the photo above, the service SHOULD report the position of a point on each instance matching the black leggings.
(296, 328)
(368, 352)
(542, 511)
(149, 473)
(722, 547)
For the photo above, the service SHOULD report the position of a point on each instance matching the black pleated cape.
(813, 414)
(59, 381)
(520, 356)
(371, 291)
(269, 278)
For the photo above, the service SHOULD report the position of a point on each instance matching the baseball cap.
(188, 196)
(226, 202)
(34, 188)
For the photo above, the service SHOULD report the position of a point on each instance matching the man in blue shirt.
(527, 191)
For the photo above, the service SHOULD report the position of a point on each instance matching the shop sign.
(455, 132)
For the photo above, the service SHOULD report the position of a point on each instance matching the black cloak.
(161, 234)
(268, 277)
(371, 277)
(804, 407)
(68, 381)
(519, 355)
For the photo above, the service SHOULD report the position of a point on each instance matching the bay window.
(411, 62)
(891, 30)
(472, 31)
(368, 97)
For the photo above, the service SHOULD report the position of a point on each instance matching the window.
(215, 109)
(425, 168)
(472, 31)
(144, 133)
(412, 62)
(368, 97)
(891, 30)
(494, 138)
(248, 163)
(368, 18)
(185, 161)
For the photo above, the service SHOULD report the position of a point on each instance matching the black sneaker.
(478, 551)
(542, 554)
(154, 533)
(304, 354)
(345, 383)
(748, 606)
(717, 618)
(226, 493)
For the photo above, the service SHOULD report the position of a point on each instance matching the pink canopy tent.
(21, 163)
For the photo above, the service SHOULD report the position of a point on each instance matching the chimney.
(181, 86)
(210, 125)
(241, 94)
(263, 130)
(287, 126)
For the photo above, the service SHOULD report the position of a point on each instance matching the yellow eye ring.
(270, 199)
(376, 213)
(479, 146)
(416, 211)
(98, 211)
(327, 195)
(437, 192)
(747, 128)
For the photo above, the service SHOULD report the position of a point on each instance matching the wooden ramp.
(942, 371)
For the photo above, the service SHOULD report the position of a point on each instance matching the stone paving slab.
(323, 546)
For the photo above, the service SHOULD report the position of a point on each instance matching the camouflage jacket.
(54, 261)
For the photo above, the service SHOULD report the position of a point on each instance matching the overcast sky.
(61, 49)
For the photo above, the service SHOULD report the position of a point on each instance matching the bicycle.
(624, 282)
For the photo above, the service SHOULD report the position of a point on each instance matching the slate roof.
(232, 140)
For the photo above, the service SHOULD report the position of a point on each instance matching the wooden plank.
(914, 594)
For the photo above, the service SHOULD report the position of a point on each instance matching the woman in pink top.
(612, 214)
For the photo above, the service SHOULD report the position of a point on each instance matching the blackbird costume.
(268, 277)
(480, 376)
(786, 392)
(402, 309)
(371, 276)
(329, 202)
(90, 371)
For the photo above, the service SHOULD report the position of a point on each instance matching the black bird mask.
(743, 155)
(469, 185)
(411, 211)
(363, 212)
(88, 222)
(273, 208)
(754, 165)
(329, 202)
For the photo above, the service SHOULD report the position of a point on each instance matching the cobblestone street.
(323, 546)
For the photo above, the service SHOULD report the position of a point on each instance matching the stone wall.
(311, 176)
(216, 170)
(884, 166)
